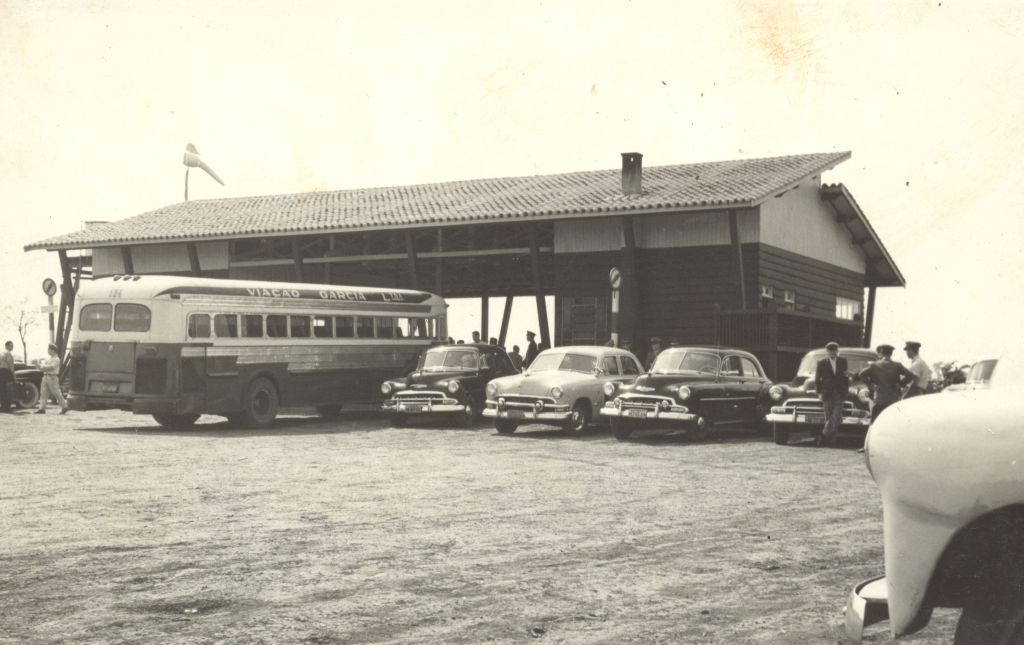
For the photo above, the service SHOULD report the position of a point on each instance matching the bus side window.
(300, 326)
(322, 327)
(277, 326)
(253, 326)
(199, 326)
(344, 327)
(385, 327)
(225, 325)
(365, 327)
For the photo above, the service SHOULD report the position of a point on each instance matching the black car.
(448, 379)
(26, 386)
(691, 390)
(796, 408)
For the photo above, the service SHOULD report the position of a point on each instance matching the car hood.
(662, 381)
(540, 383)
(431, 380)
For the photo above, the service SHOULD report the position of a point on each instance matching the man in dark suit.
(531, 349)
(832, 383)
(886, 378)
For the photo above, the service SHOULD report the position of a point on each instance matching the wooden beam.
(734, 238)
(631, 303)
(869, 317)
(67, 300)
(485, 315)
(297, 259)
(193, 258)
(542, 307)
(410, 250)
(505, 316)
(439, 276)
(126, 258)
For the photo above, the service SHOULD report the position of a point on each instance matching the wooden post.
(542, 307)
(67, 300)
(869, 318)
(297, 257)
(193, 259)
(734, 238)
(631, 303)
(505, 316)
(439, 277)
(410, 249)
(485, 314)
(126, 258)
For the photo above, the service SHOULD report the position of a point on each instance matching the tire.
(176, 420)
(780, 436)
(328, 411)
(579, 419)
(470, 415)
(504, 426)
(702, 428)
(26, 394)
(259, 407)
(985, 625)
(621, 428)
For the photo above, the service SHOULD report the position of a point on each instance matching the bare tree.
(23, 318)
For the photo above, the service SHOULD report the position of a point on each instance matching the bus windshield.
(449, 360)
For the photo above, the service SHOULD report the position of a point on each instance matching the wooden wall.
(816, 283)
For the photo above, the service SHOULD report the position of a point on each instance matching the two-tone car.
(950, 471)
(978, 377)
(448, 380)
(564, 386)
(797, 410)
(690, 390)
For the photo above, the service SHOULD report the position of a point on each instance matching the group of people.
(519, 360)
(889, 381)
(49, 386)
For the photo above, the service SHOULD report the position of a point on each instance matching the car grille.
(422, 397)
(643, 402)
(813, 406)
(526, 400)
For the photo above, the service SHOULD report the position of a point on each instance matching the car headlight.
(609, 388)
(492, 390)
(776, 392)
(556, 392)
(864, 395)
(453, 387)
(684, 393)
(385, 388)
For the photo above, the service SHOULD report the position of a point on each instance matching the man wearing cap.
(531, 349)
(51, 382)
(922, 373)
(6, 375)
(653, 352)
(832, 382)
(886, 378)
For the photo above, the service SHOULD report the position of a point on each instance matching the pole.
(49, 300)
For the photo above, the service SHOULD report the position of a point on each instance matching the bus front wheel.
(175, 420)
(260, 404)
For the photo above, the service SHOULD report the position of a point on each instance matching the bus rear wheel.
(175, 420)
(260, 404)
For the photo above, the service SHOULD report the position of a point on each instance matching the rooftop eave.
(850, 215)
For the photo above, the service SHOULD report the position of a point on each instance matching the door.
(753, 381)
(734, 393)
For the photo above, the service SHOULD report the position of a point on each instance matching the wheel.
(175, 420)
(329, 411)
(260, 404)
(780, 436)
(504, 426)
(26, 394)
(579, 419)
(987, 625)
(621, 429)
(702, 428)
(470, 414)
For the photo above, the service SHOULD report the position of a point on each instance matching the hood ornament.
(644, 388)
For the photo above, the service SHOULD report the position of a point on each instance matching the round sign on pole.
(49, 287)
(615, 277)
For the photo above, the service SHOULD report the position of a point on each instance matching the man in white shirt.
(51, 382)
(922, 373)
(6, 375)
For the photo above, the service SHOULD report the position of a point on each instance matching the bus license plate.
(412, 407)
(637, 413)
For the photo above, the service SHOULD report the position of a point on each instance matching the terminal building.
(754, 253)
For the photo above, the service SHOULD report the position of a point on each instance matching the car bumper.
(445, 406)
(814, 421)
(653, 415)
(546, 415)
(866, 606)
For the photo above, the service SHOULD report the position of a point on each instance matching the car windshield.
(854, 362)
(564, 363)
(449, 360)
(981, 372)
(685, 362)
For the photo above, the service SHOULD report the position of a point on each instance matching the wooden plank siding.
(815, 283)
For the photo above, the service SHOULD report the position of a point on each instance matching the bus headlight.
(776, 392)
(684, 392)
(453, 387)
(492, 390)
(385, 388)
(609, 388)
(556, 392)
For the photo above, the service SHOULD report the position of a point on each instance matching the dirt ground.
(115, 530)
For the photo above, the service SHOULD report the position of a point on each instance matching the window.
(300, 326)
(322, 327)
(129, 317)
(225, 325)
(789, 297)
(253, 326)
(731, 366)
(414, 327)
(344, 327)
(629, 366)
(767, 291)
(750, 368)
(199, 326)
(96, 317)
(277, 326)
(364, 327)
(610, 365)
(847, 308)
(385, 327)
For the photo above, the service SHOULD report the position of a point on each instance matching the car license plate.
(812, 418)
(637, 413)
(516, 414)
(110, 387)
(412, 407)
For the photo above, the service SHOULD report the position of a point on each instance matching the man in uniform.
(886, 378)
(51, 382)
(531, 349)
(832, 382)
(6, 375)
(652, 354)
(922, 373)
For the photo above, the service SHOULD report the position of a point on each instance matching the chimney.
(632, 173)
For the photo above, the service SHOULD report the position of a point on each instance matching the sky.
(98, 100)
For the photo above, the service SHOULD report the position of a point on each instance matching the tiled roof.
(711, 185)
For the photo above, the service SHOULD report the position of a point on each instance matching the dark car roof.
(861, 351)
(707, 348)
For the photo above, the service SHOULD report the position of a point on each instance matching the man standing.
(516, 358)
(886, 378)
(652, 354)
(922, 373)
(832, 383)
(6, 375)
(476, 337)
(51, 382)
(531, 349)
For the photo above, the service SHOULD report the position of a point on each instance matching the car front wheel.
(702, 428)
(621, 429)
(26, 394)
(780, 436)
(579, 418)
(504, 426)
(470, 414)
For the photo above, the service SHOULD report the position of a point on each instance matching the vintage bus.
(178, 347)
